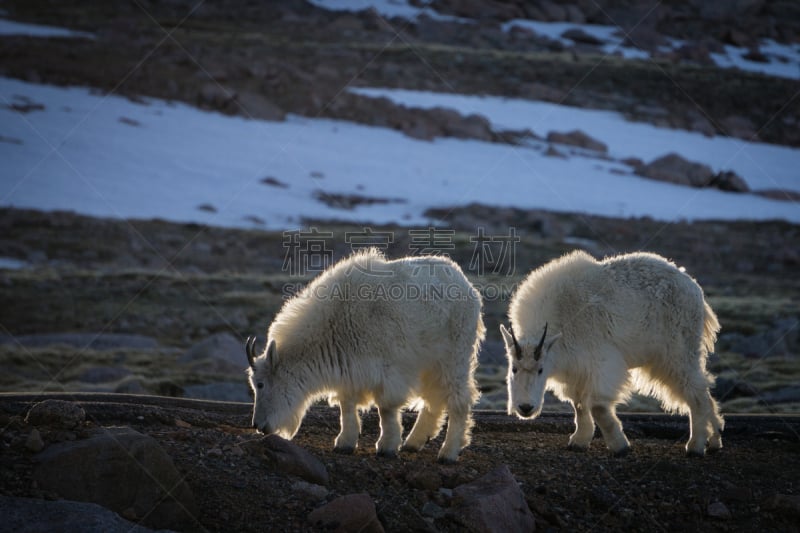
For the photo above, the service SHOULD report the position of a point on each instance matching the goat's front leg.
(347, 440)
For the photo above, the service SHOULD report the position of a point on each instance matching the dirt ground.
(655, 488)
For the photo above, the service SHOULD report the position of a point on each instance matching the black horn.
(249, 349)
(517, 347)
(537, 353)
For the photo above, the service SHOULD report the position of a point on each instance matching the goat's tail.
(710, 328)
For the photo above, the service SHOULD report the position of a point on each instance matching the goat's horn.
(538, 352)
(517, 347)
(249, 350)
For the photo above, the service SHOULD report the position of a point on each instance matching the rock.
(215, 96)
(673, 168)
(34, 441)
(425, 479)
(221, 352)
(225, 391)
(718, 510)
(274, 182)
(492, 503)
(254, 105)
(28, 515)
(120, 469)
(577, 138)
(93, 341)
(553, 152)
(740, 127)
(103, 374)
(788, 394)
(431, 510)
(579, 36)
(728, 180)
(728, 389)
(782, 338)
(788, 504)
(552, 11)
(779, 194)
(354, 512)
(289, 458)
(314, 491)
(451, 123)
(56, 413)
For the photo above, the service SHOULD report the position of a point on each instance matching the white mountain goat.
(593, 332)
(373, 331)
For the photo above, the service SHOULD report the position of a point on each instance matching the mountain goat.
(373, 331)
(593, 332)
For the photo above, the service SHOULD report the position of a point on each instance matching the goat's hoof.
(446, 461)
(344, 450)
(624, 452)
(387, 454)
(576, 448)
(710, 450)
(694, 453)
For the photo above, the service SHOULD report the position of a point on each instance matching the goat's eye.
(540, 370)
(260, 385)
(514, 369)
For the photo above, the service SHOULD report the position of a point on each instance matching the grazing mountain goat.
(593, 332)
(373, 331)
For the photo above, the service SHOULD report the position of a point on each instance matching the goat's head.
(528, 369)
(275, 409)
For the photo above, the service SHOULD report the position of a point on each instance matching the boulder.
(353, 512)
(577, 138)
(219, 353)
(673, 168)
(56, 413)
(122, 470)
(289, 458)
(28, 515)
(727, 180)
(492, 503)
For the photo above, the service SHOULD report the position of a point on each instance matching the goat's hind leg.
(427, 426)
(705, 423)
(584, 428)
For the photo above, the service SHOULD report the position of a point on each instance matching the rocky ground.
(514, 476)
(150, 307)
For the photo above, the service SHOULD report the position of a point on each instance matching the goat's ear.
(272, 352)
(512, 346)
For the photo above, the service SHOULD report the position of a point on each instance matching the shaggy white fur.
(373, 331)
(633, 322)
